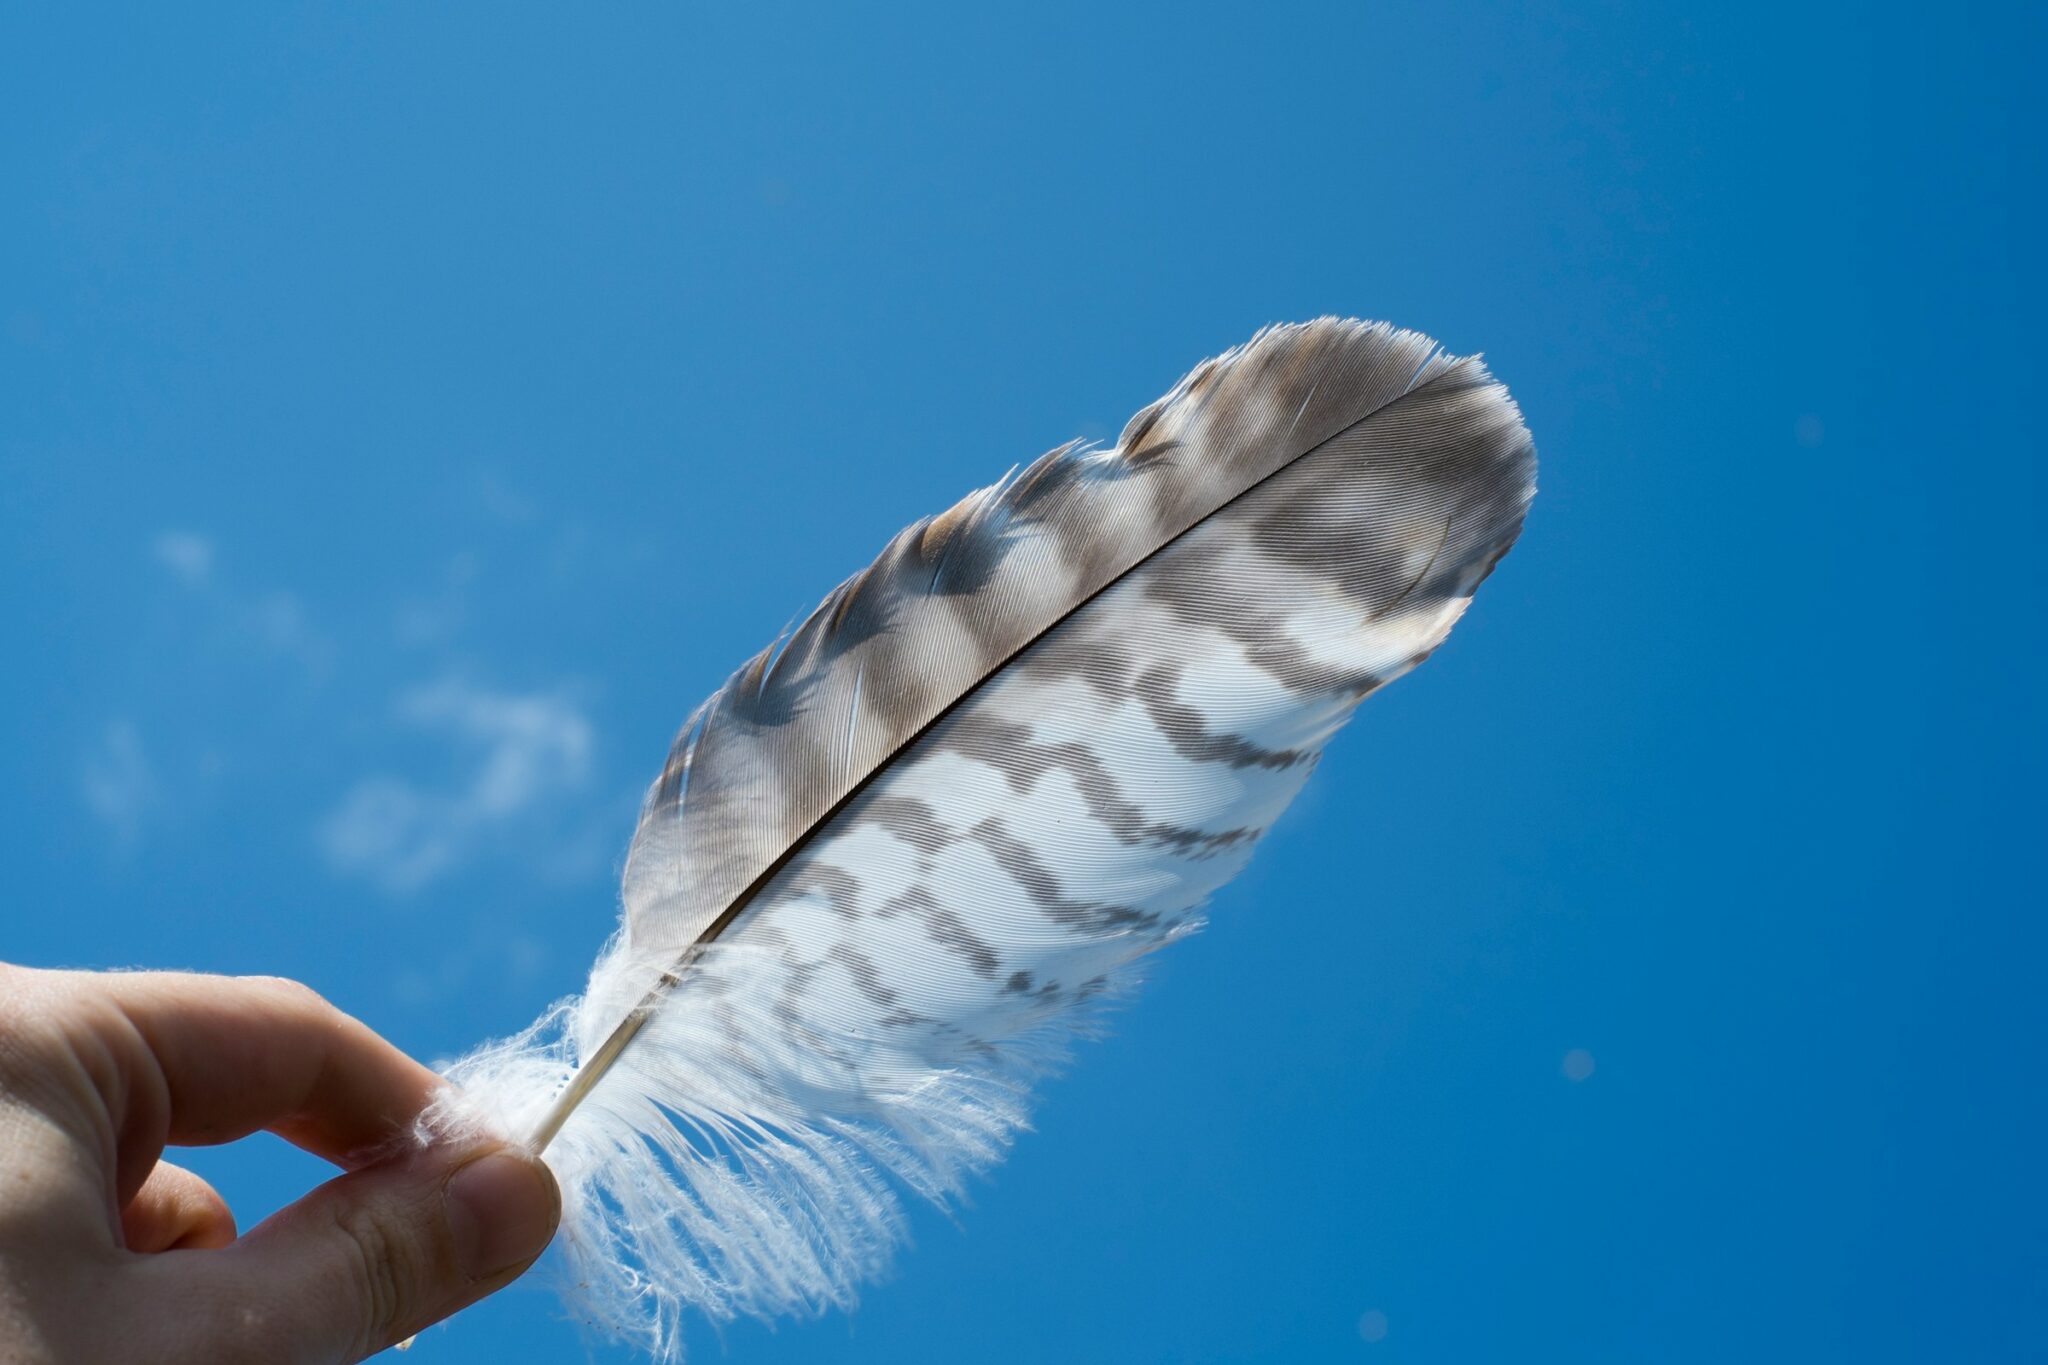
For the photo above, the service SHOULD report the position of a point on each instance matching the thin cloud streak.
(187, 555)
(528, 751)
(119, 784)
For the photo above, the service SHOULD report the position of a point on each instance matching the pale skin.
(110, 1253)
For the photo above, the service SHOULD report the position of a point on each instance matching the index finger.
(208, 1059)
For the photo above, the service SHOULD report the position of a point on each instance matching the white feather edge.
(654, 1222)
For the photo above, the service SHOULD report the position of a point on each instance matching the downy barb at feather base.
(910, 850)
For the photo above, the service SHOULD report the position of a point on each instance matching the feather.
(913, 848)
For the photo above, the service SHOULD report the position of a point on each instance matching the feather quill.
(911, 849)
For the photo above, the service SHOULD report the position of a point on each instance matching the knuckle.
(289, 992)
(36, 1017)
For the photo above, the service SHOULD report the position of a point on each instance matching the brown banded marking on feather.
(939, 532)
(1443, 538)
(1028, 492)
(906, 818)
(1267, 645)
(1022, 760)
(1205, 592)
(949, 931)
(865, 977)
(1184, 728)
(841, 889)
(1038, 882)
(1140, 426)
(915, 900)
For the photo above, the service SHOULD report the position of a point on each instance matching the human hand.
(108, 1253)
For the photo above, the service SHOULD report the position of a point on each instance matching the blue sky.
(411, 411)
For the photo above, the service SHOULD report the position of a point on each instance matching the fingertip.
(503, 1208)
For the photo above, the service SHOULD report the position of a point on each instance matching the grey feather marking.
(1011, 750)
(862, 969)
(1016, 859)
(909, 819)
(1183, 728)
(840, 888)
(950, 931)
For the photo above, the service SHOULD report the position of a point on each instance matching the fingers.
(205, 1059)
(176, 1211)
(115, 1066)
(372, 1257)
(243, 1053)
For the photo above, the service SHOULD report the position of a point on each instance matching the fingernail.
(501, 1213)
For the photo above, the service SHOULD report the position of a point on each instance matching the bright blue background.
(543, 360)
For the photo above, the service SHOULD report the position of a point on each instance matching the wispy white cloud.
(280, 621)
(492, 955)
(526, 751)
(250, 682)
(431, 619)
(276, 620)
(203, 694)
(504, 502)
(186, 554)
(118, 783)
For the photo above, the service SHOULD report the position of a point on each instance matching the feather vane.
(909, 851)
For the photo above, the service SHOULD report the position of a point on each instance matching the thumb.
(370, 1258)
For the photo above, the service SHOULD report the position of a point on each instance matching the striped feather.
(907, 851)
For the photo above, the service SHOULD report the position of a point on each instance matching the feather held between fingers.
(911, 849)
